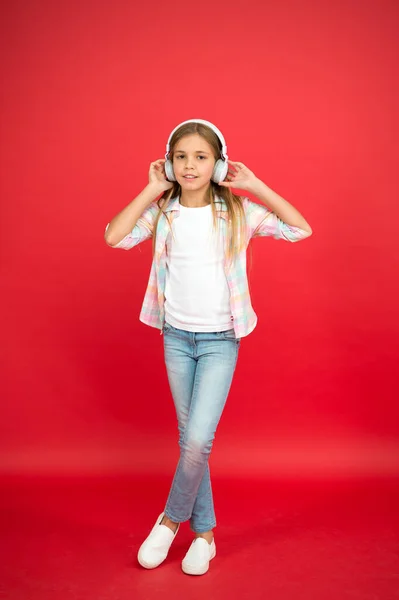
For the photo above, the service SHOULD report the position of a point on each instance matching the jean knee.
(196, 450)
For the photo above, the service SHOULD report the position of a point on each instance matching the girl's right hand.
(157, 175)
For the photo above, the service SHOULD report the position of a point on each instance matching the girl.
(198, 296)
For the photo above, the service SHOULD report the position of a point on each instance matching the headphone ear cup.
(170, 174)
(220, 170)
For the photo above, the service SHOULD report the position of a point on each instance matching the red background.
(306, 95)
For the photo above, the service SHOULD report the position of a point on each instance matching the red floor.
(297, 540)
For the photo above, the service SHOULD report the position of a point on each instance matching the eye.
(182, 156)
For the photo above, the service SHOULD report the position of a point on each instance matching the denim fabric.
(200, 368)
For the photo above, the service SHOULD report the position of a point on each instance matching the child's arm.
(262, 222)
(283, 209)
(134, 223)
(281, 220)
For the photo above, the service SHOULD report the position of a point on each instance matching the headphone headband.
(209, 124)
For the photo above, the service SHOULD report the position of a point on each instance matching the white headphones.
(221, 165)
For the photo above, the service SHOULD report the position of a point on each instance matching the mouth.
(189, 176)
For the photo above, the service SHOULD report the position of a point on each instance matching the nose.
(189, 162)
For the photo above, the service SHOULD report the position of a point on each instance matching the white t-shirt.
(197, 295)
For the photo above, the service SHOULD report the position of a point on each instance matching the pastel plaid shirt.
(260, 221)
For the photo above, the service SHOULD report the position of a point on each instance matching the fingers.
(235, 167)
(158, 165)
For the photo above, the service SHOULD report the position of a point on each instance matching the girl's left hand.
(239, 176)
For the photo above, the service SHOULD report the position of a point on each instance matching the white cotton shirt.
(197, 295)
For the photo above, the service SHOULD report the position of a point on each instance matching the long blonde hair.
(235, 210)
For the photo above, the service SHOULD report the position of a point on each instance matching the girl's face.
(193, 156)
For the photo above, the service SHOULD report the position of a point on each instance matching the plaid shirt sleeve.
(262, 221)
(142, 230)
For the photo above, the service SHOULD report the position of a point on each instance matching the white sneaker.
(155, 547)
(196, 561)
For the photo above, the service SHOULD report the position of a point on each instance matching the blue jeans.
(200, 368)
